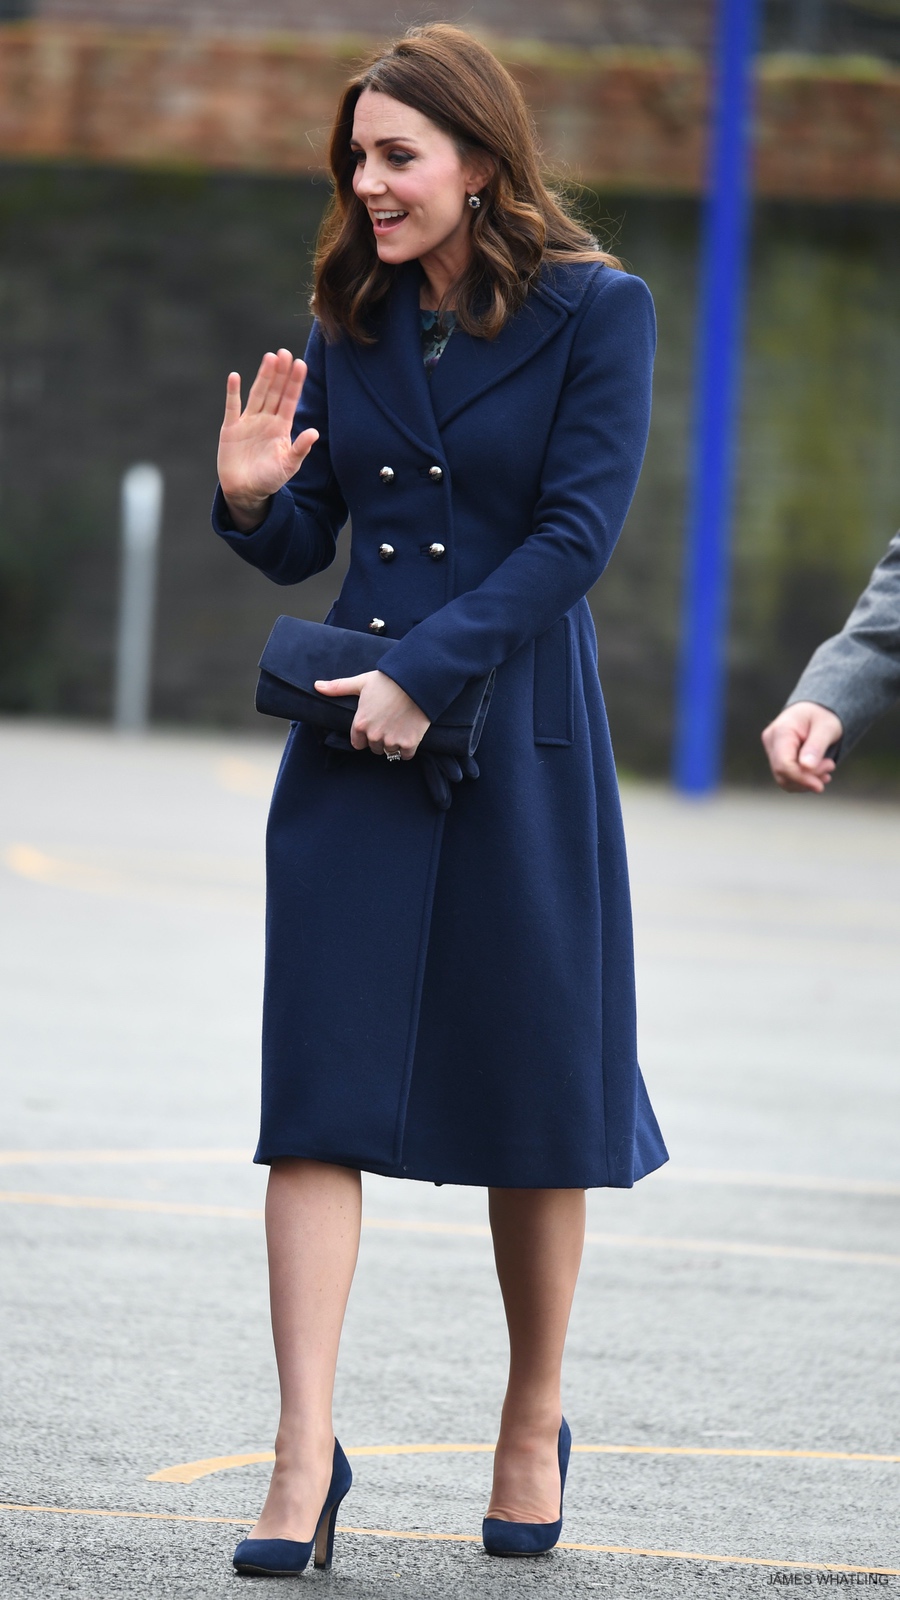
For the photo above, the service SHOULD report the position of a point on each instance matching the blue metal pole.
(699, 714)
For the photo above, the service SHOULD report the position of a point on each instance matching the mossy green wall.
(125, 298)
(820, 469)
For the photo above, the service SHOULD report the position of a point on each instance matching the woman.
(440, 1003)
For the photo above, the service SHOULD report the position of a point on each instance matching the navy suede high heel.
(529, 1538)
(285, 1558)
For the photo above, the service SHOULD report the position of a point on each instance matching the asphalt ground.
(732, 1372)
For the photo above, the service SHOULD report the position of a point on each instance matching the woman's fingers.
(361, 736)
(303, 444)
(279, 376)
(293, 388)
(233, 397)
(268, 385)
(346, 686)
(259, 388)
(276, 388)
(386, 718)
(340, 685)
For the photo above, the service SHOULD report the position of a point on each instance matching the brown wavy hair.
(459, 84)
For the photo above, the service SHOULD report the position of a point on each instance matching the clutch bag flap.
(298, 652)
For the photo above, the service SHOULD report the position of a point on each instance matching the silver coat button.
(377, 625)
(386, 474)
(435, 474)
(437, 551)
(386, 552)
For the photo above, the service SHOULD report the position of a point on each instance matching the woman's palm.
(256, 453)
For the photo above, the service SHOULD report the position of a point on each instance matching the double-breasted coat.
(449, 995)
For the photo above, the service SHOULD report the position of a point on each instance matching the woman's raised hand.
(256, 453)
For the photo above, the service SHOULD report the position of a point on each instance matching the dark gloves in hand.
(438, 771)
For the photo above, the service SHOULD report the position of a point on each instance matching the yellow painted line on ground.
(140, 1516)
(670, 1172)
(728, 1247)
(95, 1202)
(776, 1180)
(101, 1158)
(638, 1241)
(190, 1471)
(634, 1241)
(715, 1450)
(251, 778)
(473, 1538)
(41, 868)
(633, 1550)
(166, 881)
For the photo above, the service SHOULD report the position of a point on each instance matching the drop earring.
(474, 202)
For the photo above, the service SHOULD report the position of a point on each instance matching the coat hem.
(453, 1178)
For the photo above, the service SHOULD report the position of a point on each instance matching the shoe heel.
(503, 1538)
(325, 1539)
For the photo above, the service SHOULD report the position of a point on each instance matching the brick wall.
(622, 121)
(594, 22)
(831, 27)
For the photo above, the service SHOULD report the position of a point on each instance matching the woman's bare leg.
(538, 1240)
(313, 1213)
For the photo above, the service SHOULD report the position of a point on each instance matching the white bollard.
(142, 498)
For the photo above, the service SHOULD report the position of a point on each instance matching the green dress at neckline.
(436, 330)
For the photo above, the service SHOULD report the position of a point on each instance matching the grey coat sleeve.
(856, 674)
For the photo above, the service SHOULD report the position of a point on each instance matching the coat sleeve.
(299, 534)
(589, 476)
(856, 674)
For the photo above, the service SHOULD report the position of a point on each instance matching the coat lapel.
(469, 366)
(393, 371)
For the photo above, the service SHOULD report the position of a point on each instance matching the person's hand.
(386, 718)
(256, 454)
(795, 744)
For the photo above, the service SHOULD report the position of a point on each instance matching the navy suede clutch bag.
(299, 652)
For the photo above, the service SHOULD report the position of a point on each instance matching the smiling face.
(415, 186)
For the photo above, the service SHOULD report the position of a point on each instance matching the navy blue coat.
(450, 995)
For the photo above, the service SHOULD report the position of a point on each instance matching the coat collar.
(470, 366)
(393, 371)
